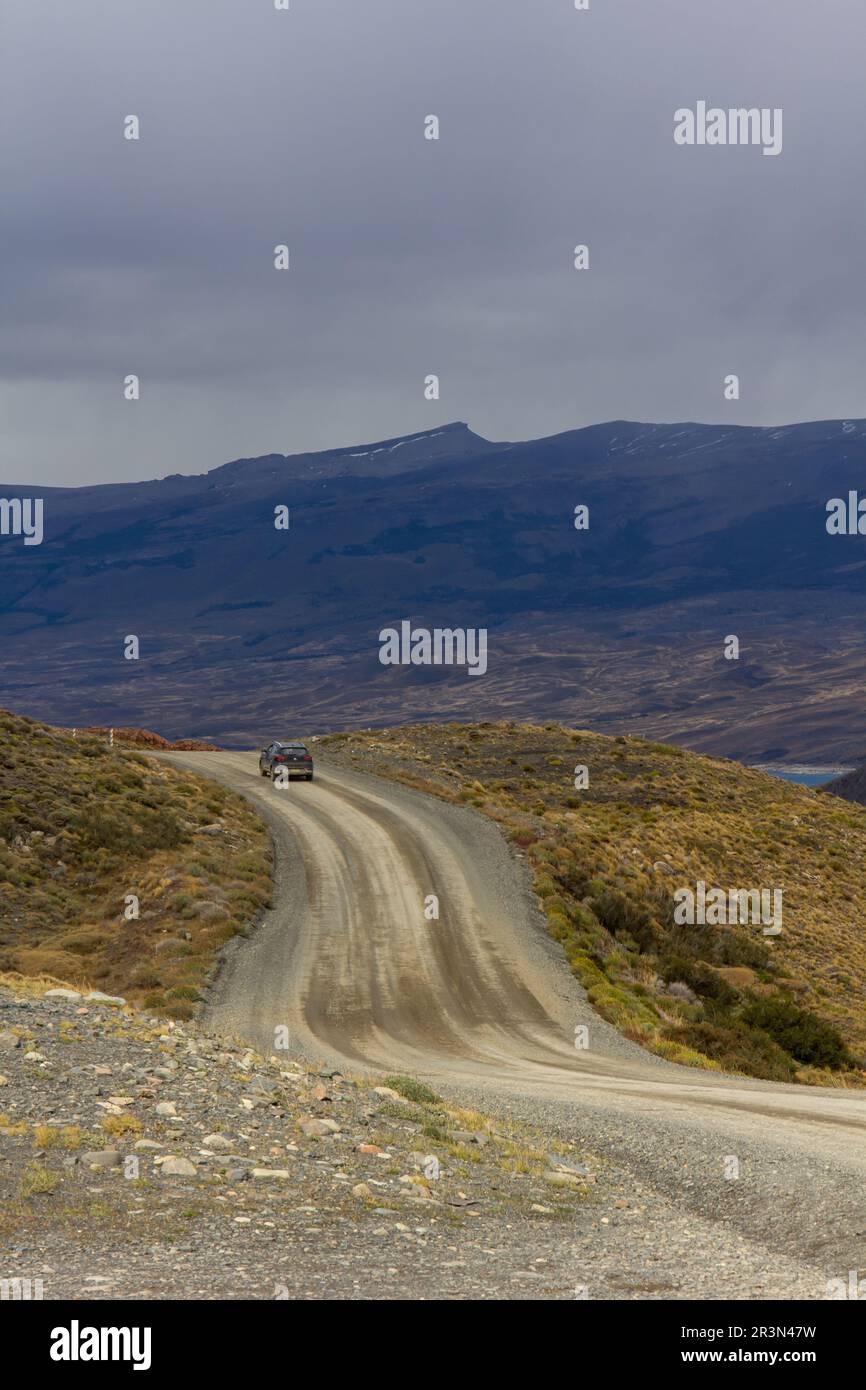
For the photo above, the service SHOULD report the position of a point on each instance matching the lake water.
(816, 777)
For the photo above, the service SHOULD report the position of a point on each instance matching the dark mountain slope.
(851, 786)
(695, 532)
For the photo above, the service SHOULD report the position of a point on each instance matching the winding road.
(481, 1001)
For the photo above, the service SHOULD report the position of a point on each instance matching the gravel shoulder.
(146, 1160)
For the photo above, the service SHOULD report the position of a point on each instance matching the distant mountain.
(851, 786)
(696, 532)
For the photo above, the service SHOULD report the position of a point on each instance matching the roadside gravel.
(140, 1159)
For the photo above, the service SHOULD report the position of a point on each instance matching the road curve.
(483, 1001)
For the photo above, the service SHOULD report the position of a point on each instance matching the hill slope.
(608, 861)
(82, 826)
(851, 786)
(696, 532)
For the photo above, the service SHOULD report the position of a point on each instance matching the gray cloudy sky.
(411, 257)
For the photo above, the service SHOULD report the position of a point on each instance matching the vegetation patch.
(410, 1089)
(118, 872)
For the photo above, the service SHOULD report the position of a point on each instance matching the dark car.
(294, 759)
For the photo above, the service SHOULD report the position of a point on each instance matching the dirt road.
(481, 1002)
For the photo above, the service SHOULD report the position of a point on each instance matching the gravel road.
(481, 1003)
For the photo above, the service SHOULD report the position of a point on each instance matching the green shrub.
(699, 977)
(151, 830)
(619, 915)
(737, 1048)
(800, 1033)
(145, 978)
(179, 1008)
(410, 1089)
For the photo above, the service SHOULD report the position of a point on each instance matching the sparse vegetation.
(119, 1125)
(82, 827)
(37, 1179)
(410, 1089)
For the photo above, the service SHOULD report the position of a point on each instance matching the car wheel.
(309, 777)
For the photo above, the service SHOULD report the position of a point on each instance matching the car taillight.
(280, 759)
(307, 758)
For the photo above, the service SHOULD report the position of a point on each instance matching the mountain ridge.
(456, 431)
(695, 532)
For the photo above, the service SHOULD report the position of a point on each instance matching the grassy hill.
(607, 861)
(84, 826)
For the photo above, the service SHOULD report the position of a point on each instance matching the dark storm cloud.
(412, 257)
